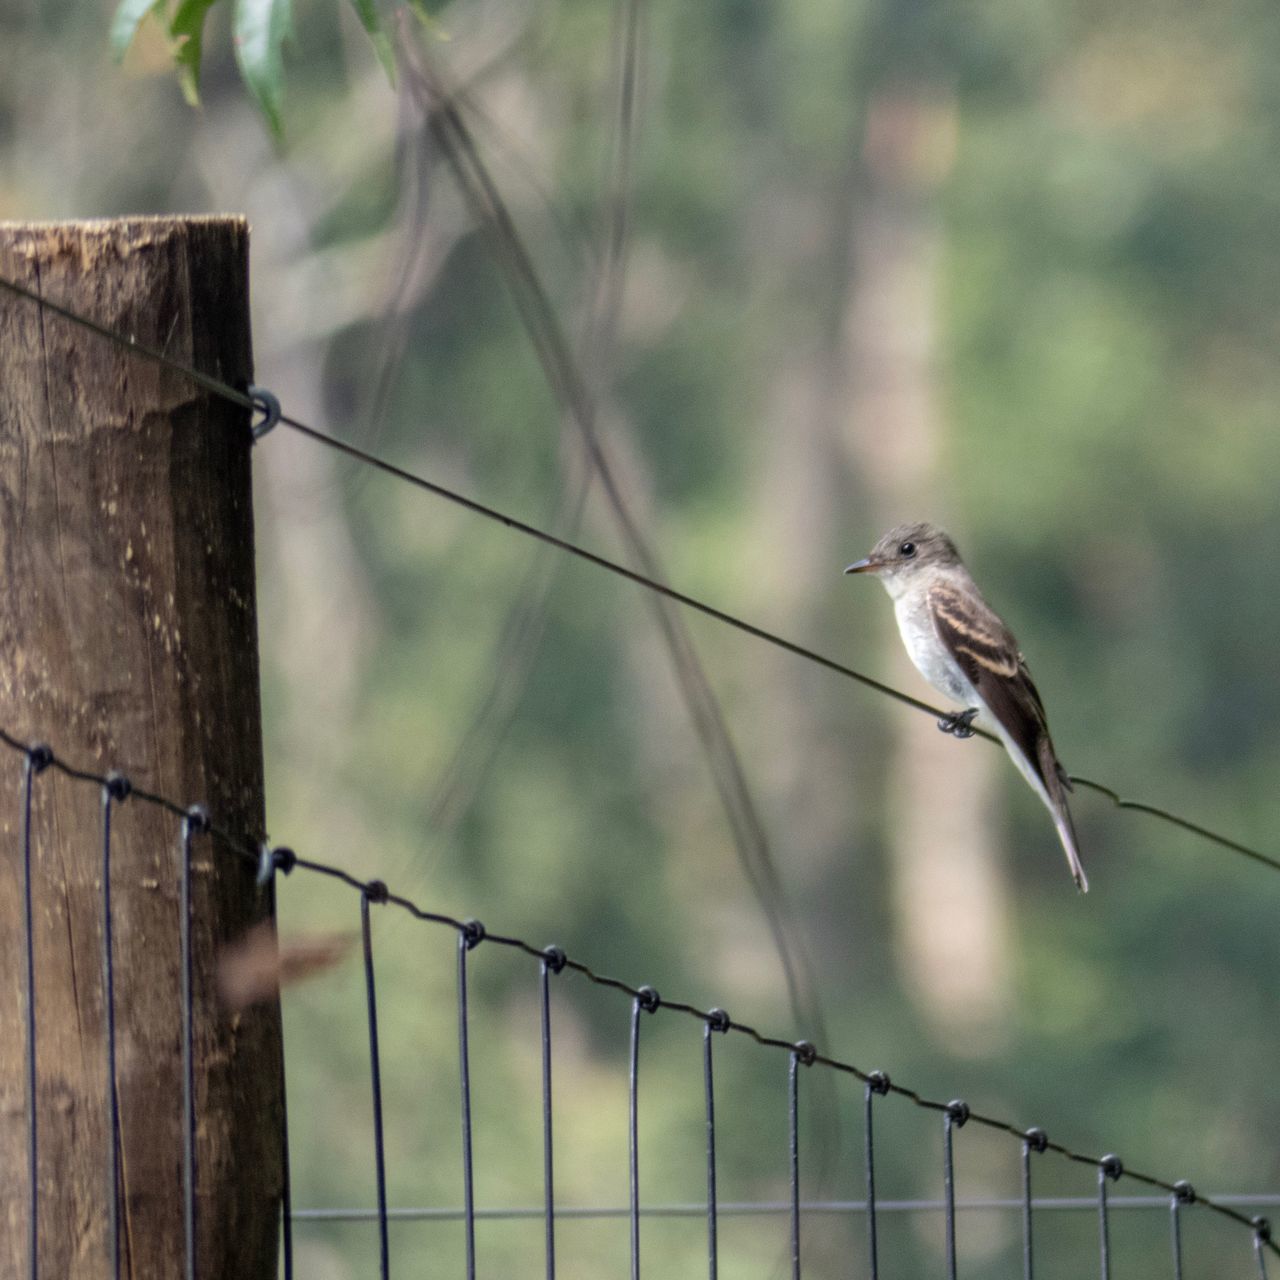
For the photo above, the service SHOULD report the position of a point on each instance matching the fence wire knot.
(267, 404)
(1184, 1192)
(472, 933)
(1112, 1166)
(648, 999)
(1036, 1139)
(718, 1019)
(272, 860)
(376, 891)
(878, 1082)
(41, 756)
(957, 1112)
(266, 863)
(1261, 1228)
(118, 786)
(198, 820)
(555, 958)
(805, 1054)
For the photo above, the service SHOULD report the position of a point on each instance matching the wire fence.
(194, 824)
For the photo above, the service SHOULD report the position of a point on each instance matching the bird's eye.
(906, 550)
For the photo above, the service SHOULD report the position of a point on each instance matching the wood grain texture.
(128, 640)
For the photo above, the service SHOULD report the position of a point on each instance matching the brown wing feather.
(988, 654)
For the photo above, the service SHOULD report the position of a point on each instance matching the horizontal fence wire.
(263, 401)
(115, 789)
(767, 1208)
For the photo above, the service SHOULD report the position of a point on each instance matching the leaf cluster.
(260, 29)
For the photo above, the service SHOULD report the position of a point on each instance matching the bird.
(966, 652)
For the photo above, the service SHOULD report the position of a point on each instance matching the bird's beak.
(863, 566)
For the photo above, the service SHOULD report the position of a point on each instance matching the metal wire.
(286, 1187)
(195, 820)
(469, 937)
(552, 962)
(1033, 1140)
(376, 891)
(241, 398)
(1028, 1262)
(1175, 1233)
(761, 1208)
(876, 1083)
(34, 761)
(633, 1143)
(633, 1137)
(1109, 1168)
(375, 1079)
(719, 1024)
(793, 1151)
(953, 1116)
(113, 786)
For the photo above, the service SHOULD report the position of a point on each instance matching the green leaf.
(128, 18)
(260, 29)
(371, 20)
(187, 30)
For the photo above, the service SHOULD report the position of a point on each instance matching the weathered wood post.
(128, 640)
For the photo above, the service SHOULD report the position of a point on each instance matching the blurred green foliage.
(260, 29)
(1097, 197)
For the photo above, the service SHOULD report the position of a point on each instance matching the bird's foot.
(959, 723)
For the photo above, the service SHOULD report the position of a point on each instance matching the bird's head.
(905, 551)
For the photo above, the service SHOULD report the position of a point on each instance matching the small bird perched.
(960, 645)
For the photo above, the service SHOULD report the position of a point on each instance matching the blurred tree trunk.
(948, 891)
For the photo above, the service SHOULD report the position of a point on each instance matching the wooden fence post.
(128, 640)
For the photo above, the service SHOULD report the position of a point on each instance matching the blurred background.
(1006, 265)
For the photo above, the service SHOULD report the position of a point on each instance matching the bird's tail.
(1056, 786)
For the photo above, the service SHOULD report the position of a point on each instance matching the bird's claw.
(959, 723)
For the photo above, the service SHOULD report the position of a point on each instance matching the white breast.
(924, 647)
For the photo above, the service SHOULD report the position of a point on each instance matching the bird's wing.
(988, 654)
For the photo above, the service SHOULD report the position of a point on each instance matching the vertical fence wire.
(1033, 1140)
(877, 1083)
(1261, 1236)
(195, 821)
(1182, 1194)
(1109, 1168)
(375, 892)
(803, 1054)
(645, 1000)
(717, 1020)
(469, 936)
(633, 1158)
(269, 862)
(1175, 1231)
(954, 1114)
(1028, 1264)
(286, 1180)
(552, 961)
(116, 788)
(34, 761)
(633, 1155)
(793, 1154)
